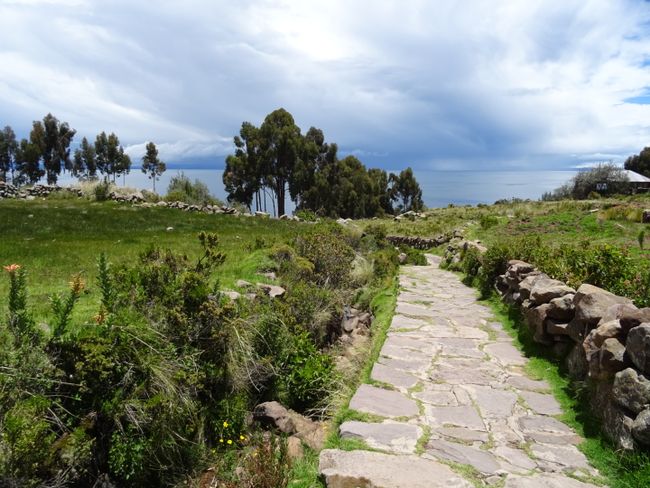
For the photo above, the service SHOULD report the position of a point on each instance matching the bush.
(488, 221)
(102, 191)
(326, 248)
(182, 189)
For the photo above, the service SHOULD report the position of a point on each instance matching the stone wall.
(603, 338)
(29, 193)
(423, 242)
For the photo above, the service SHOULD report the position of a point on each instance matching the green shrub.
(182, 189)
(385, 262)
(326, 248)
(487, 221)
(102, 191)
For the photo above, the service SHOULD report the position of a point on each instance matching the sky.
(444, 85)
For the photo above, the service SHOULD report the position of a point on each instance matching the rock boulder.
(631, 390)
(638, 347)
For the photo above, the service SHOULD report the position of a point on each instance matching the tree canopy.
(152, 166)
(277, 157)
(639, 162)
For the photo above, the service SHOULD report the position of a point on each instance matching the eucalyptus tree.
(280, 144)
(53, 139)
(110, 158)
(28, 167)
(406, 191)
(242, 176)
(8, 148)
(152, 166)
(84, 164)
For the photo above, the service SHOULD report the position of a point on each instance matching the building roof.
(636, 177)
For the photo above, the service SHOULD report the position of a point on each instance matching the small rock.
(275, 415)
(243, 284)
(294, 448)
(273, 291)
(169, 229)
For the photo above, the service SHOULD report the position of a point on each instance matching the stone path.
(451, 405)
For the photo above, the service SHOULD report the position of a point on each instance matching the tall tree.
(242, 176)
(639, 163)
(111, 160)
(406, 191)
(28, 167)
(152, 166)
(8, 148)
(53, 139)
(84, 161)
(280, 142)
(315, 156)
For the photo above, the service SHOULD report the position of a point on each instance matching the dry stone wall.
(603, 338)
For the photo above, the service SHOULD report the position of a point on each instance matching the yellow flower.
(242, 438)
(229, 441)
(225, 424)
(221, 440)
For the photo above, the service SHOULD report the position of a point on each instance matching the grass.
(54, 239)
(619, 470)
(383, 307)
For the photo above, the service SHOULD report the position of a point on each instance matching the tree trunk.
(154, 184)
(280, 194)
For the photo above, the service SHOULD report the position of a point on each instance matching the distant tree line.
(47, 153)
(276, 158)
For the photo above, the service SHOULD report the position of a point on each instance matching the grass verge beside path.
(629, 470)
(304, 473)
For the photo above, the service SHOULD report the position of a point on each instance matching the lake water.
(439, 188)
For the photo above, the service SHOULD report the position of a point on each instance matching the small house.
(636, 182)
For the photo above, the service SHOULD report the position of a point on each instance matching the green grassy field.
(54, 239)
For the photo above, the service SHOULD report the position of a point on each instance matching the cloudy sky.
(436, 85)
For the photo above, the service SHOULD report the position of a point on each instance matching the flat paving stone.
(462, 434)
(412, 310)
(505, 353)
(481, 460)
(412, 365)
(459, 416)
(386, 403)
(545, 481)
(564, 456)
(492, 402)
(366, 469)
(404, 322)
(542, 403)
(395, 437)
(524, 383)
(440, 395)
(392, 376)
(516, 457)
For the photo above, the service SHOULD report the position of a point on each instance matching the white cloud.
(431, 84)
